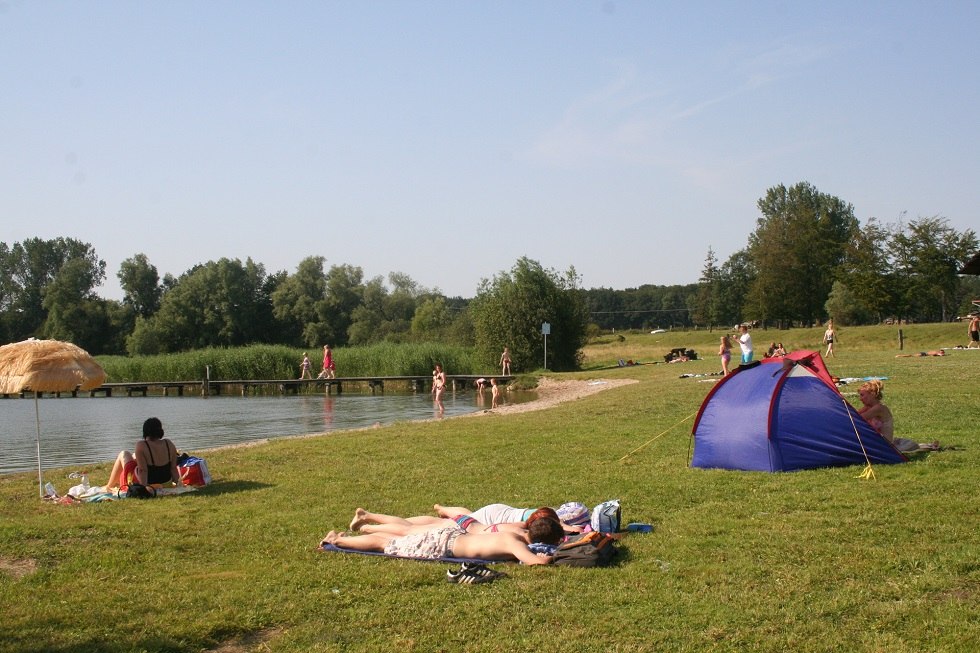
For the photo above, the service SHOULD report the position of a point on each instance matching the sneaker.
(466, 577)
(481, 570)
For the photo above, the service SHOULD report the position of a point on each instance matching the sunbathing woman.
(451, 541)
(934, 352)
(498, 513)
(373, 522)
(880, 417)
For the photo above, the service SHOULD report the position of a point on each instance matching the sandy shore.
(551, 392)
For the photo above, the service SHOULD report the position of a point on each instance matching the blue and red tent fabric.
(784, 414)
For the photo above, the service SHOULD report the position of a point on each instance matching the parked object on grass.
(784, 415)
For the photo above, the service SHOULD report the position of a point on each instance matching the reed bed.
(257, 362)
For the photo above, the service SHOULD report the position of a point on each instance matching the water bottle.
(49, 490)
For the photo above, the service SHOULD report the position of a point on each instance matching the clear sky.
(446, 139)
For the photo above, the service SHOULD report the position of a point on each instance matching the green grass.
(810, 561)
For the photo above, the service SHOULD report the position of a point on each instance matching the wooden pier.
(279, 386)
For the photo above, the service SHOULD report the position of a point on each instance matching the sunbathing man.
(934, 352)
(374, 522)
(453, 542)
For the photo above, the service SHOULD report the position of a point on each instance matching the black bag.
(593, 549)
(139, 491)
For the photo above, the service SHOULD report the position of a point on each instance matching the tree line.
(47, 290)
(808, 258)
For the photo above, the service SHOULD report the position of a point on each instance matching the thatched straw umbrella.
(46, 366)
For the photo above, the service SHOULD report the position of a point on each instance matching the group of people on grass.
(494, 532)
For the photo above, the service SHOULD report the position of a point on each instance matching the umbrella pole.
(37, 421)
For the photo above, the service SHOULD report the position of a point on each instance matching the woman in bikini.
(153, 461)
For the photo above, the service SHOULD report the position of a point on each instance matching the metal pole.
(546, 351)
(37, 421)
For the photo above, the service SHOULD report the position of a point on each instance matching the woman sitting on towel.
(153, 461)
(880, 417)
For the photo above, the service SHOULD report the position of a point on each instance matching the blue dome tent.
(784, 414)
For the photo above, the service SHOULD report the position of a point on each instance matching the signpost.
(545, 330)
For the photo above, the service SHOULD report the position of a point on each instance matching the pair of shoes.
(472, 574)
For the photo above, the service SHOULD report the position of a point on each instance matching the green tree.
(706, 306)
(385, 314)
(140, 283)
(928, 253)
(297, 304)
(30, 267)
(510, 309)
(74, 312)
(735, 278)
(844, 307)
(799, 242)
(219, 304)
(867, 272)
(432, 319)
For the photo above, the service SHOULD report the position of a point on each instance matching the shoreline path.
(551, 392)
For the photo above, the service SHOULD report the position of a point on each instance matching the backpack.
(606, 516)
(592, 549)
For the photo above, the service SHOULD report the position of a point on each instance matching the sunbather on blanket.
(880, 417)
(375, 522)
(452, 541)
(495, 513)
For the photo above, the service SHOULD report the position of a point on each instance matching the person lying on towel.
(375, 522)
(500, 513)
(454, 542)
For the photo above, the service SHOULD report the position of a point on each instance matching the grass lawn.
(808, 561)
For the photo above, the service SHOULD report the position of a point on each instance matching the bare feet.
(359, 520)
(331, 538)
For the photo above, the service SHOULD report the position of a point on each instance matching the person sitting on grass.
(453, 542)
(141, 466)
(881, 419)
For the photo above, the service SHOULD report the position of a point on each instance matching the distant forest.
(808, 259)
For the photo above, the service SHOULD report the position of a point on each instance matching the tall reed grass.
(260, 362)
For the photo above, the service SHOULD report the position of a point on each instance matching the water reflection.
(82, 430)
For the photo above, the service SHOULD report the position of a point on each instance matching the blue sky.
(447, 139)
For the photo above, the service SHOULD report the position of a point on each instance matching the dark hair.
(545, 530)
(152, 429)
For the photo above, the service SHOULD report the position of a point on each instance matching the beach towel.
(331, 548)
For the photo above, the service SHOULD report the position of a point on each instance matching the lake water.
(83, 430)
